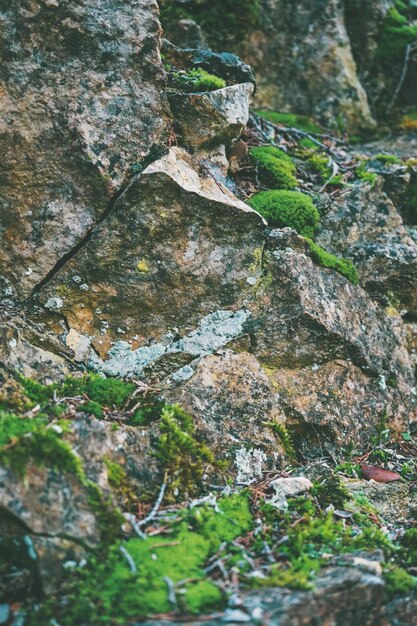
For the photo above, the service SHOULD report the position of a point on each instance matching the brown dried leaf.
(379, 475)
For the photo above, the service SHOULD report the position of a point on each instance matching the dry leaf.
(380, 475)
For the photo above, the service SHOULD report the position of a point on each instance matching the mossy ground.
(194, 81)
(174, 567)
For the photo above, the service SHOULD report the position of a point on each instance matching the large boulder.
(82, 99)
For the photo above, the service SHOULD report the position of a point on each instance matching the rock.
(226, 65)
(179, 244)
(285, 487)
(82, 100)
(19, 352)
(391, 500)
(303, 63)
(334, 402)
(55, 510)
(231, 400)
(365, 226)
(211, 118)
(186, 34)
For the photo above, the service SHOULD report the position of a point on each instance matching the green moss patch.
(326, 259)
(138, 577)
(195, 80)
(27, 439)
(183, 456)
(275, 168)
(287, 208)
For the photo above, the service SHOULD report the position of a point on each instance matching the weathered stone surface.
(26, 350)
(81, 99)
(231, 399)
(303, 63)
(176, 248)
(391, 500)
(211, 118)
(365, 226)
(334, 403)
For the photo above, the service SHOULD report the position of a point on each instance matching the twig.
(172, 598)
(409, 49)
(156, 506)
(129, 559)
(335, 169)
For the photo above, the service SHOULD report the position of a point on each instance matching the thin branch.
(409, 49)
(129, 559)
(156, 506)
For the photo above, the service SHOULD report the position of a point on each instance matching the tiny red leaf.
(380, 475)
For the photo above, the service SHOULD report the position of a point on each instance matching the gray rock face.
(81, 100)
(364, 225)
(216, 117)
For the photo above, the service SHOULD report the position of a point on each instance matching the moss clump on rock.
(192, 81)
(343, 266)
(184, 457)
(276, 169)
(283, 208)
(397, 33)
(399, 581)
(28, 439)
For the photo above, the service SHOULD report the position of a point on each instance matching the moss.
(287, 208)
(195, 80)
(108, 591)
(396, 34)
(184, 457)
(409, 546)
(92, 408)
(275, 168)
(110, 392)
(399, 581)
(24, 440)
(343, 266)
(291, 119)
(224, 22)
(389, 159)
(319, 163)
(363, 174)
(285, 438)
(331, 491)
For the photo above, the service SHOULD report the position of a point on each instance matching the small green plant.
(276, 169)
(284, 436)
(343, 266)
(184, 457)
(287, 208)
(24, 440)
(320, 165)
(398, 581)
(92, 408)
(364, 174)
(196, 80)
(389, 159)
(331, 491)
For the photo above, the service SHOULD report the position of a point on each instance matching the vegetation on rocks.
(287, 208)
(345, 267)
(275, 168)
(194, 80)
